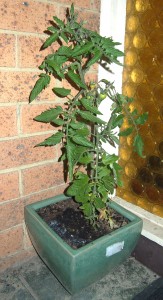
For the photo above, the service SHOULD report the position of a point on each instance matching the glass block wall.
(143, 80)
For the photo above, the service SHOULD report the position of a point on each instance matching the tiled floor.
(33, 280)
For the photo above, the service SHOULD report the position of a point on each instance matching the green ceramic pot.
(76, 269)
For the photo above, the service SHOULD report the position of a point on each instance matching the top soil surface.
(67, 220)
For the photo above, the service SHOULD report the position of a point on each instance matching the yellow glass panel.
(130, 58)
(158, 210)
(132, 23)
(137, 75)
(141, 5)
(139, 40)
(131, 170)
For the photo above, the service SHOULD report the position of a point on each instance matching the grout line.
(37, 164)
(29, 289)
(26, 135)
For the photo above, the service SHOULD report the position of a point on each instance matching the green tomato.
(102, 96)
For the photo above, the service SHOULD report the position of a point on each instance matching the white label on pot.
(115, 248)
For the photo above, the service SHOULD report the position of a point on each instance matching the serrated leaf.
(115, 139)
(58, 122)
(76, 79)
(89, 107)
(109, 183)
(62, 92)
(142, 119)
(108, 159)
(72, 9)
(49, 115)
(86, 159)
(87, 209)
(64, 50)
(59, 22)
(126, 132)
(78, 185)
(56, 68)
(74, 152)
(76, 125)
(89, 117)
(51, 39)
(99, 204)
(117, 173)
(138, 145)
(52, 140)
(41, 84)
(64, 37)
(83, 49)
(118, 121)
(83, 131)
(80, 140)
(95, 58)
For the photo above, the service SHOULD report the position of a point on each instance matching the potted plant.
(93, 174)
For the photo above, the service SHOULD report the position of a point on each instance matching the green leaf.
(109, 183)
(62, 92)
(95, 58)
(83, 131)
(78, 185)
(89, 117)
(118, 121)
(77, 125)
(142, 119)
(49, 115)
(138, 145)
(76, 79)
(117, 173)
(103, 191)
(64, 37)
(52, 140)
(115, 139)
(74, 152)
(51, 39)
(87, 209)
(99, 204)
(108, 159)
(56, 68)
(86, 103)
(103, 171)
(41, 84)
(82, 141)
(126, 132)
(86, 159)
(58, 122)
(64, 50)
(59, 22)
(83, 49)
(72, 9)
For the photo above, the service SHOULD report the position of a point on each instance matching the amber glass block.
(137, 75)
(139, 40)
(158, 210)
(158, 94)
(141, 5)
(148, 21)
(143, 80)
(156, 38)
(144, 203)
(132, 23)
(145, 175)
(153, 75)
(153, 193)
(131, 170)
(157, 130)
(130, 58)
(137, 187)
(154, 163)
(129, 90)
(144, 92)
(148, 58)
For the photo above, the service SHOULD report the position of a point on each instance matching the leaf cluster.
(80, 130)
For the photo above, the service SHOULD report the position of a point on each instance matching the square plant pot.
(78, 268)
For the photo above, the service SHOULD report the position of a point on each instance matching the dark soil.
(67, 220)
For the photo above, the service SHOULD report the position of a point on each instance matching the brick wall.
(27, 174)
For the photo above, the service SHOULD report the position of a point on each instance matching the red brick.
(34, 17)
(7, 50)
(11, 241)
(9, 186)
(42, 195)
(97, 5)
(30, 55)
(16, 86)
(77, 3)
(16, 258)
(42, 177)
(28, 112)
(11, 214)
(8, 121)
(92, 18)
(22, 151)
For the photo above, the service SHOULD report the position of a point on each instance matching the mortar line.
(28, 288)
